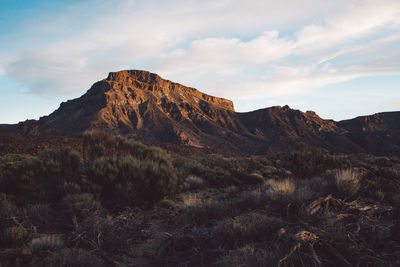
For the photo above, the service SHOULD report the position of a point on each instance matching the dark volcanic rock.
(378, 133)
(144, 106)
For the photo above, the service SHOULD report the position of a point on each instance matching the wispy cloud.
(358, 19)
(237, 49)
(226, 55)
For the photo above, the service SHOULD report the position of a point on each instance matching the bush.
(221, 171)
(307, 162)
(122, 171)
(80, 206)
(128, 172)
(251, 199)
(381, 182)
(249, 227)
(307, 189)
(201, 211)
(347, 182)
(128, 180)
(41, 178)
(96, 232)
(97, 144)
(215, 175)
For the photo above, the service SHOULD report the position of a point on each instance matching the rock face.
(144, 106)
(379, 133)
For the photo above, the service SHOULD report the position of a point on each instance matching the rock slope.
(142, 105)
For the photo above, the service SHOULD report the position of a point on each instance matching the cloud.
(235, 49)
(355, 43)
(41, 71)
(225, 56)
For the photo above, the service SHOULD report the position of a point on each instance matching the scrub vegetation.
(119, 202)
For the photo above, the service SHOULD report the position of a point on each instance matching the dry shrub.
(251, 199)
(126, 172)
(302, 194)
(202, 211)
(215, 175)
(279, 189)
(81, 206)
(249, 227)
(195, 182)
(46, 242)
(208, 210)
(381, 182)
(101, 233)
(248, 256)
(15, 235)
(324, 206)
(347, 182)
(222, 171)
(130, 180)
(278, 194)
(40, 178)
(307, 162)
(190, 200)
(39, 216)
(307, 189)
(322, 185)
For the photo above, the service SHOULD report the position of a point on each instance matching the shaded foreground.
(123, 203)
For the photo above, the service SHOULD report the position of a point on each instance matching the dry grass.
(252, 199)
(195, 182)
(248, 227)
(278, 189)
(348, 182)
(307, 189)
(202, 210)
(191, 200)
(277, 222)
(47, 242)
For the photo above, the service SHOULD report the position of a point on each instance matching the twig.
(79, 236)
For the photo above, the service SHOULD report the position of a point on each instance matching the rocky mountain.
(144, 106)
(378, 133)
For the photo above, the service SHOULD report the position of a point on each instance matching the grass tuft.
(347, 182)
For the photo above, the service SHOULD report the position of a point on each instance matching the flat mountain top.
(144, 106)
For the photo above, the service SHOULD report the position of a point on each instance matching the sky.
(338, 58)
